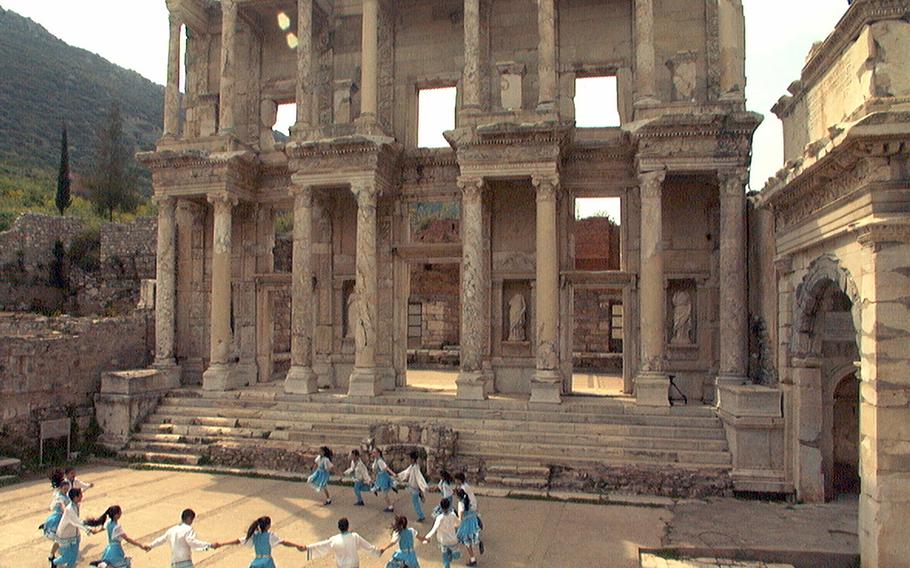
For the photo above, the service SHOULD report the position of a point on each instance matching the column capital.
(165, 202)
(783, 265)
(651, 183)
(547, 186)
(228, 5)
(222, 199)
(733, 181)
(303, 195)
(365, 192)
(471, 187)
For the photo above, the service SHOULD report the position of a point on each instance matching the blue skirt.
(469, 529)
(114, 556)
(403, 558)
(383, 482)
(263, 562)
(50, 525)
(319, 479)
(69, 552)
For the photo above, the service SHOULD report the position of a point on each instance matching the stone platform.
(586, 443)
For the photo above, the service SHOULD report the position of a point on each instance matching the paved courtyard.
(520, 533)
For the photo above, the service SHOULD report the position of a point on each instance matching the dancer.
(361, 476)
(446, 530)
(346, 545)
(405, 538)
(59, 500)
(113, 555)
(462, 483)
(319, 479)
(446, 488)
(75, 482)
(468, 530)
(68, 532)
(261, 540)
(383, 476)
(417, 485)
(183, 541)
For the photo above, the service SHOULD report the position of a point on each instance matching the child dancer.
(59, 501)
(383, 476)
(261, 540)
(319, 479)
(405, 538)
(346, 546)
(183, 541)
(417, 485)
(469, 530)
(446, 530)
(68, 532)
(446, 488)
(75, 482)
(462, 483)
(113, 555)
(361, 475)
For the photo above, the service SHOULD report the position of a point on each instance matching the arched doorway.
(845, 438)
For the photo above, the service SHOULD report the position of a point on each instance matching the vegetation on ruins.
(112, 181)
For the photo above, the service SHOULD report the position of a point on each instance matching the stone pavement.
(520, 533)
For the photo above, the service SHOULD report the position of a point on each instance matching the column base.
(169, 371)
(300, 380)
(222, 377)
(546, 387)
(652, 389)
(365, 382)
(472, 385)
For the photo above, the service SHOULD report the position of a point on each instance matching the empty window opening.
(596, 102)
(181, 80)
(285, 117)
(435, 115)
(597, 233)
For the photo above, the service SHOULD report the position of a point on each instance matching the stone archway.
(824, 351)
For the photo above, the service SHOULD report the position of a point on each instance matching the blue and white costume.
(262, 544)
(113, 555)
(445, 528)
(405, 556)
(469, 529)
(417, 487)
(362, 481)
(383, 478)
(320, 478)
(445, 492)
(68, 536)
(58, 504)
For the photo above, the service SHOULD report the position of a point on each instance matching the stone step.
(208, 434)
(336, 413)
(261, 423)
(10, 466)
(168, 447)
(522, 482)
(557, 454)
(655, 443)
(162, 457)
(516, 469)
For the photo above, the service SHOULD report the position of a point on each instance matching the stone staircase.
(515, 443)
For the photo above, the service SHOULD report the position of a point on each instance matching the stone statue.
(682, 318)
(352, 314)
(517, 316)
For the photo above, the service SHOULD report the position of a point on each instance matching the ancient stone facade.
(840, 327)
(354, 176)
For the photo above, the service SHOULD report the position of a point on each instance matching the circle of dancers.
(456, 522)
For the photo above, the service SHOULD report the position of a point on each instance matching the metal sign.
(58, 428)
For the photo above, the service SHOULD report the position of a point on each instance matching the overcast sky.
(779, 33)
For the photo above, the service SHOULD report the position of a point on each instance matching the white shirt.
(70, 523)
(467, 489)
(380, 465)
(413, 477)
(445, 489)
(76, 483)
(58, 500)
(345, 546)
(445, 528)
(183, 541)
(274, 540)
(323, 462)
(359, 472)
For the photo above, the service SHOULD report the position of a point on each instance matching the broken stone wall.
(51, 368)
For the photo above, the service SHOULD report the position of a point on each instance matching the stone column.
(369, 65)
(471, 381)
(546, 54)
(470, 99)
(652, 383)
(645, 90)
(366, 379)
(734, 308)
(172, 89)
(228, 65)
(300, 378)
(220, 375)
(165, 288)
(547, 383)
(304, 64)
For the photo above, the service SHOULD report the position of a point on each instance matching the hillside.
(44, 81)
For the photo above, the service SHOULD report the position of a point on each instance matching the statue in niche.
(682, 318)
(351, 316)
(517, 318)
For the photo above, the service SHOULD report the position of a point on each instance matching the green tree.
(113, 180)
(64, 199)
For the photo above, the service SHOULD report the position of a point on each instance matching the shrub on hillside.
(85, 250)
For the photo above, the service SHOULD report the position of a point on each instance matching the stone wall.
(100, 273)
(51, 368)
(436, 288)
(597, 243)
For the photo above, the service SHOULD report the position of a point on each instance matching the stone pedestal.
(652, 389)
(754, 426)
(127, 398)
